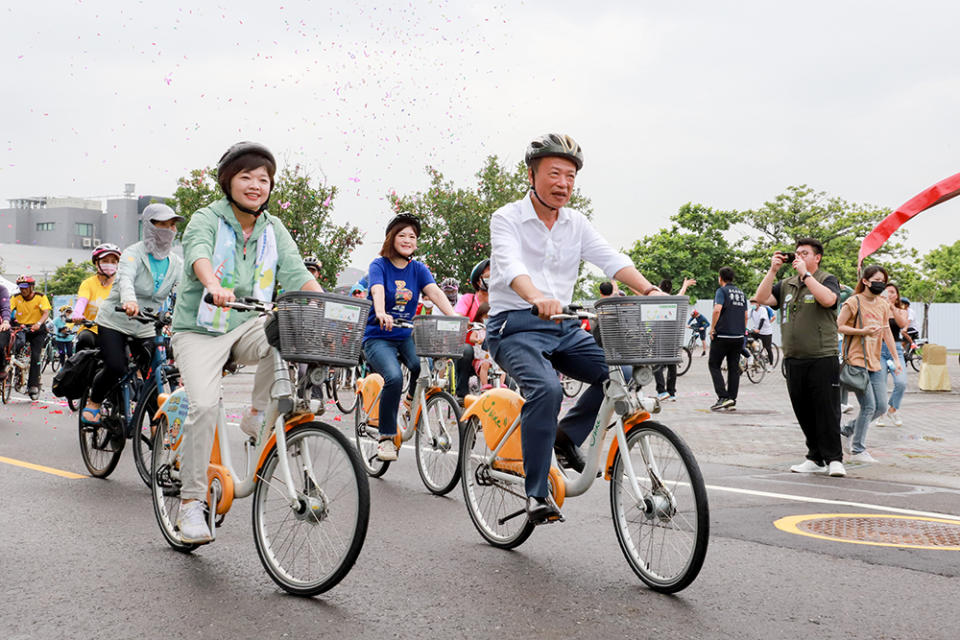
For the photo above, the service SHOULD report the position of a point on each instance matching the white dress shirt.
(521, 244)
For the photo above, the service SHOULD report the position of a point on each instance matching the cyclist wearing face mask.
(93, 291)
(147, 275)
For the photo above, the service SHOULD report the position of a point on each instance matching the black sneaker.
(718, 404)
(728, 404)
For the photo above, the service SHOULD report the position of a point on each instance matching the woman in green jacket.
(232, 249)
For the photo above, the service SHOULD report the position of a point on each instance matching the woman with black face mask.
(864, 321)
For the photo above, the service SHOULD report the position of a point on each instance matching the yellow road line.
(40, 467)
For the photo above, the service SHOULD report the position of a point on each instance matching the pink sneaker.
(487, 386)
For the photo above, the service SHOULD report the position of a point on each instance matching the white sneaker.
(386, 450)
(808, 466)
(251, 424)
(192, 523)
(862, 458)
(836, 469)
(846, 408)
(881, 422)
(895, 416)
(663, 396)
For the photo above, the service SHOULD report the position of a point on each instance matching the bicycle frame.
(224, 483)
(633, 408)
(423, 391)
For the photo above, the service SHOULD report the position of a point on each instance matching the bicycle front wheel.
(165, 485)
(775, 350)
(757, 369)
(685, 360)
(496, 506)
(663, 532)
(310, 546)
(344, 390)
(916, 359)
(144, 427)
(6, 385)
(438, 443)
(100, 444)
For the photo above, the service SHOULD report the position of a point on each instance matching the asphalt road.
(83, 558)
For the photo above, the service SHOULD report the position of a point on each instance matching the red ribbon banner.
(940, 192)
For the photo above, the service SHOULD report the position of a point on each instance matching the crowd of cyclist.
(233, 248)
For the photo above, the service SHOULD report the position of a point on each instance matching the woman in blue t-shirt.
(396, 280)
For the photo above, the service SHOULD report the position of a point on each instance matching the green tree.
(67, 278)
(839, 225)
(305, 209)
(307, 213)
(938, 280)
(456, 220)
(694, 246)
(194, 192)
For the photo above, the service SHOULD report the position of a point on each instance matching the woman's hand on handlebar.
(131, 308)
(220, 295)
(386, 321)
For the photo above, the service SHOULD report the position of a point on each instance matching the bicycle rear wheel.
(367, 438)
(165, 486)
(571, 386)
(309, 547)
(663, 533)
(438, 454)
(490, 500)
(685, 360)
(344, 390)
(101, 444)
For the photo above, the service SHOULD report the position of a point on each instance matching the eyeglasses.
(804, 254)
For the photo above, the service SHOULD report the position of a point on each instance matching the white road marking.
(838, 503)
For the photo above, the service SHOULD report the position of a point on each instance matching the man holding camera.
(809, 326)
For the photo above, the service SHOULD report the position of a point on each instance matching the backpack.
(75, 375)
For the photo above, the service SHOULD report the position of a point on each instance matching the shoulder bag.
(852, 377)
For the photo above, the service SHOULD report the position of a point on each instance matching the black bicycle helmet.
(311, 261)
(555, 145)
(475, 275)
(234, 153)
(404, 219)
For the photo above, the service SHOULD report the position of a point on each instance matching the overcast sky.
(724, 103)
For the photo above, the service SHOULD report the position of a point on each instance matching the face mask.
(158, 241)
(108, 268)
(876, 287)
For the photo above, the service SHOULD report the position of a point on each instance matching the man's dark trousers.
(814, 388)
(729, 349)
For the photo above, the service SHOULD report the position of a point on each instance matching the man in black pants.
(809, 323)
(727, 330)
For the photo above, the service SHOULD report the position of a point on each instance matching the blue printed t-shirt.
(732, 323)
(700, 322)
(401, 293)
(158, 269)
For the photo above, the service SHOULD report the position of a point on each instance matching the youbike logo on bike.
(489, 407)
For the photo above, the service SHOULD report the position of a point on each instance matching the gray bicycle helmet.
(226, 169)
(555, 145)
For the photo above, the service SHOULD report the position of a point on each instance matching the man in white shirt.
(761, 327)
(536, 248)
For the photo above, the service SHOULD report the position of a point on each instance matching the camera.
(788, 257)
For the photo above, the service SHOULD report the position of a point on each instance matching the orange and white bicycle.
(434, 418)
(311, 498)
(657, 495)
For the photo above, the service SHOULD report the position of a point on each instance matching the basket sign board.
(448, 325)
(341, 312)
(658, 312)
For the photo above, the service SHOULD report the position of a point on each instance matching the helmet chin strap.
(254, 212)
(533, 188)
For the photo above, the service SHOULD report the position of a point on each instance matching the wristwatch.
(804, 276)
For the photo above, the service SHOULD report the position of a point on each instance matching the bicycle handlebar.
(570, 312)
(248, 303)
(146, 315)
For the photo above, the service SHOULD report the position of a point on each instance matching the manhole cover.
(880, 530)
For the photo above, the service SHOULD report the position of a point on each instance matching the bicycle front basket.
(439, 336)
(321, 327)
(642, 329)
